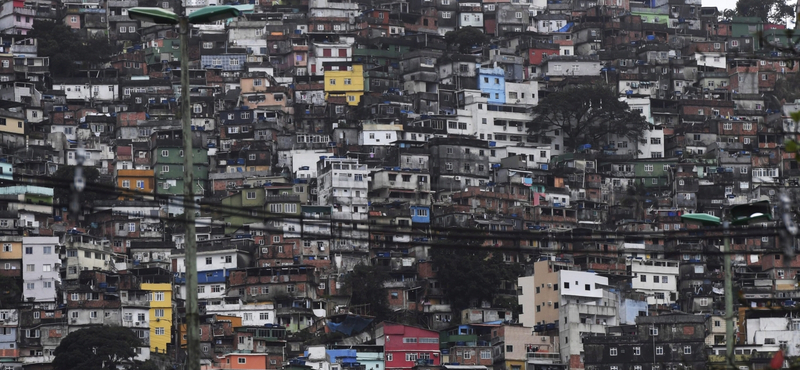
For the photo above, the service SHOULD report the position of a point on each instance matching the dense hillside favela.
(497, 184)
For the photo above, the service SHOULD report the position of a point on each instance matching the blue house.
(226, 62)
(420, 214)
(492, 81)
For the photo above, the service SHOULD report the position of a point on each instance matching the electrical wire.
(463, 232)
(439, 240)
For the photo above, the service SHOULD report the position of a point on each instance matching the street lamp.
(740, 215)
(208, 14)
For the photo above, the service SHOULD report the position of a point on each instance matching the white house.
(40, 268)
(256, 314)
(656, 278)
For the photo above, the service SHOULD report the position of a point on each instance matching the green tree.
(773, 11)
(465, 38)
(471, 274)
(366, 286)
(68, 52)
(64, 179)
(9, 291)
(586, 114)
(96, 348)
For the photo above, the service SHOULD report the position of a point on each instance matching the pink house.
(404, 345)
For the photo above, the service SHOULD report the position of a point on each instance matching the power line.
(514, 235)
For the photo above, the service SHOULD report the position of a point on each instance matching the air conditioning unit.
(549, 285)
(74, 321)
(544, 339)
(391, 183)
(550, 303)
(457, 178)
(137, 323)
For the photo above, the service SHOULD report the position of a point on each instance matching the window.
(654, 332)
(47, 268)
(332, 81)
(648, 168)
(409, 340)
(612, 351)
(160, 331)
(126, 184)
(28, 250)
(164, 168)
(159, 312)
(687, 350)
(664, 279)
(6, 247)
(486, 355)
(637, 351)
(447, 15)
(251, 195)
(30, 267)
(348, 81)
(659, 349)
(158, 297)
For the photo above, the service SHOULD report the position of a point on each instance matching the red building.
(404, 345)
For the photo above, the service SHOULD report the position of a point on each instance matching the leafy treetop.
(466, 37)
(96, 348)
(68, 52)
(586, 114)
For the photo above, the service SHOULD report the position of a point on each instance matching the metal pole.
(190, 241)
(729, 341)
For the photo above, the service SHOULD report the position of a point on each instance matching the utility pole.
(726, 257)
(190, 240)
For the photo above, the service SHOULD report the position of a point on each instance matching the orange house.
(243, 361)
(133, 183)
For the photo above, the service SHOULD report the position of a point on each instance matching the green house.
(167, 161)
(653, 173)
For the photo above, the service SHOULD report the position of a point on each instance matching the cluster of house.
(328, 134)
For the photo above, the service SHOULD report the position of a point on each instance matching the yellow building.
(12, 122)
(11, 256)
(12, 248)
(160, 315)
(139, 181)
(349, 84)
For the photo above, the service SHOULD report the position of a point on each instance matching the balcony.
(433, 308)
(282, 198)
(543, 357)
(31, 69)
